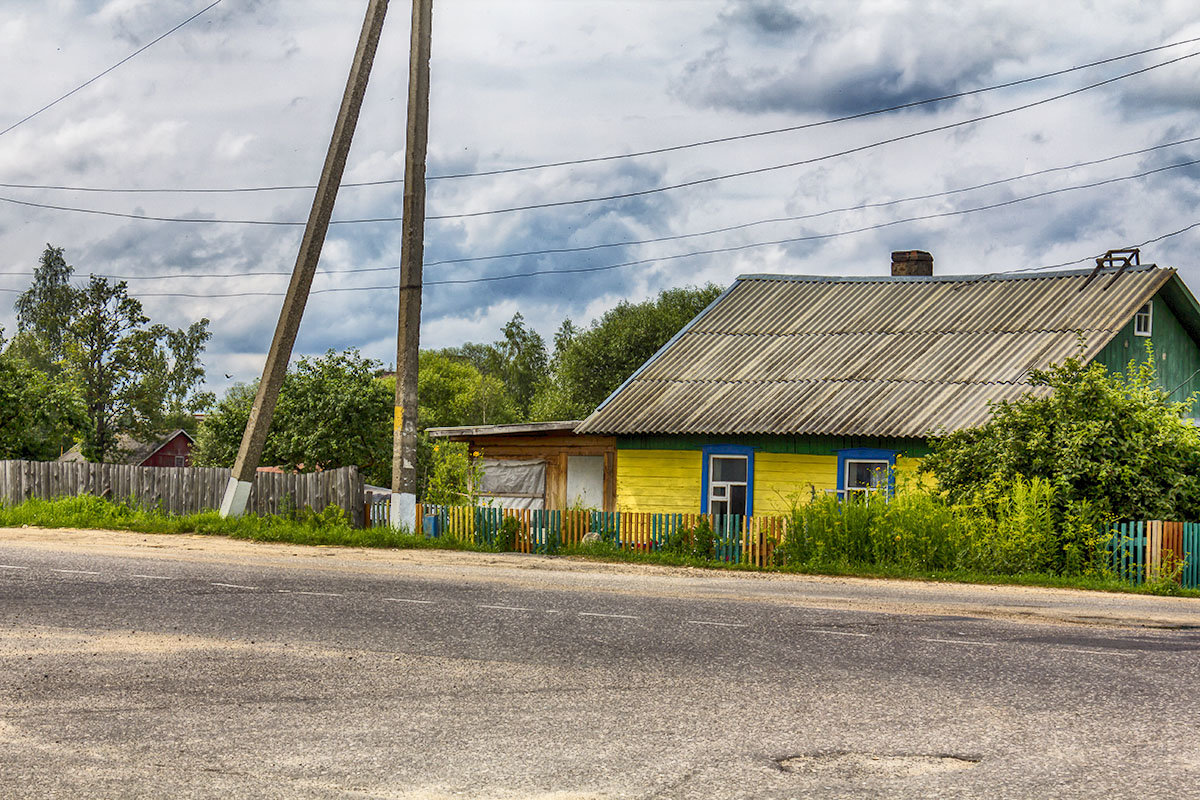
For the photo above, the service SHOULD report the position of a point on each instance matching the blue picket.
(1191, 554)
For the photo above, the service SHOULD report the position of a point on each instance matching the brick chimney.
(911, 262)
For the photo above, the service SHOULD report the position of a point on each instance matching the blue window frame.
(865, 469)
(727, 480)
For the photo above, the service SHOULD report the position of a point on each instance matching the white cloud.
(247, 94)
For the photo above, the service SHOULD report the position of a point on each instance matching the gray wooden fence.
(182, 490)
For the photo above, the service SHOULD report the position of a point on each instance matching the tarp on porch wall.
(512, 483)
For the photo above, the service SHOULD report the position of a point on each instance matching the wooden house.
(541, 464)
(788, 384)
(172, 450)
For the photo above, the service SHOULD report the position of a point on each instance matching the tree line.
(87, 366)
(336, 409)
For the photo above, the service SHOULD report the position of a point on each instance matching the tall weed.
(916, 530)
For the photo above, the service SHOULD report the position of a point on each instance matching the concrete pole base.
(233, 504)
(402, 512)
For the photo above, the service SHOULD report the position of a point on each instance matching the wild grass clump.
(1015, 529)
(697, 542)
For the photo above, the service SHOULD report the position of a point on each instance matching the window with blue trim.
(727, 480)
(863, 470)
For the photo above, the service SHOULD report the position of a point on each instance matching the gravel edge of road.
(1013, 602)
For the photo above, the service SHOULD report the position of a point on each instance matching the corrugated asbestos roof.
(785, 354)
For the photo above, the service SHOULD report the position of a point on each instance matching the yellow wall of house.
(907, 476)
(659, 480)
(668, 481)
(781, 478)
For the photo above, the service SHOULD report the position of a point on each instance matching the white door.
(585, 482)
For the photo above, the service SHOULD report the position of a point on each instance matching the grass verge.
(1098, 583)
(331, 528)
(327, 528)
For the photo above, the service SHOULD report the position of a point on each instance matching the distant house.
(172, 450)
(789, 384)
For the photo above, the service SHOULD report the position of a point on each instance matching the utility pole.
(249, 454)
(403, 509)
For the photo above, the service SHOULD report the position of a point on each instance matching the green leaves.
(593, 363)
(1114, 442)
(332, 412)
(115, 359)
(452, 391)
(91, 348)
(38, 414)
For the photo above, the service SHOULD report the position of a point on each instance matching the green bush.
(1004, 529)
(916, 530)
(506, 535)
(1010, 530)
(1112, 441)
(827, 532)
(704, 541)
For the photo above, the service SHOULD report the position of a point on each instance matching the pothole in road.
(849, 766)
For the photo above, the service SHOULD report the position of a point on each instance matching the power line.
(129, 57)
(621, 196)
(717, 250)
(792, 128)
(813, 215)
(807, 161)
(180, 220)
(1091, 259)
(613, 157)
(652, 240)
(602, 268)
(233, 190)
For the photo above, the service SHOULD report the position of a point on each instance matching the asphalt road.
(170, 666)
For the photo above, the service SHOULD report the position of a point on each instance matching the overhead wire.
(812, 215)
(123, 61)
(582, 270)
(808, 161)
(749, 245)
(817, 124)
(613, 157)
(622, 195)
(709, 179)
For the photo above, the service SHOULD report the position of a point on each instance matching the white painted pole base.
(402, 512)
(233, 504)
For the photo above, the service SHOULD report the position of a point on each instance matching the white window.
(1143, 320)
(866, 476)
(727, 484)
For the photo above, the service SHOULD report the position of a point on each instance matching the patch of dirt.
(31, 641)
(851, 766)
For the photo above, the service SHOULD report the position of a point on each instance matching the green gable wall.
(799, 445)
(1176, 354)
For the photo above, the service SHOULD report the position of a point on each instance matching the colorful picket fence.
(1144, 549)
(739, 540)
(1137, 551)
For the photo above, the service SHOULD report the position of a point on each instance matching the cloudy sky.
(244, 97)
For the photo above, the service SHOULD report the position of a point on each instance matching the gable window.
(864, 470)
(727, 477)
(1143, 320)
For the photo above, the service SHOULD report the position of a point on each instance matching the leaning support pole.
(403, 507)
(238, 490)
